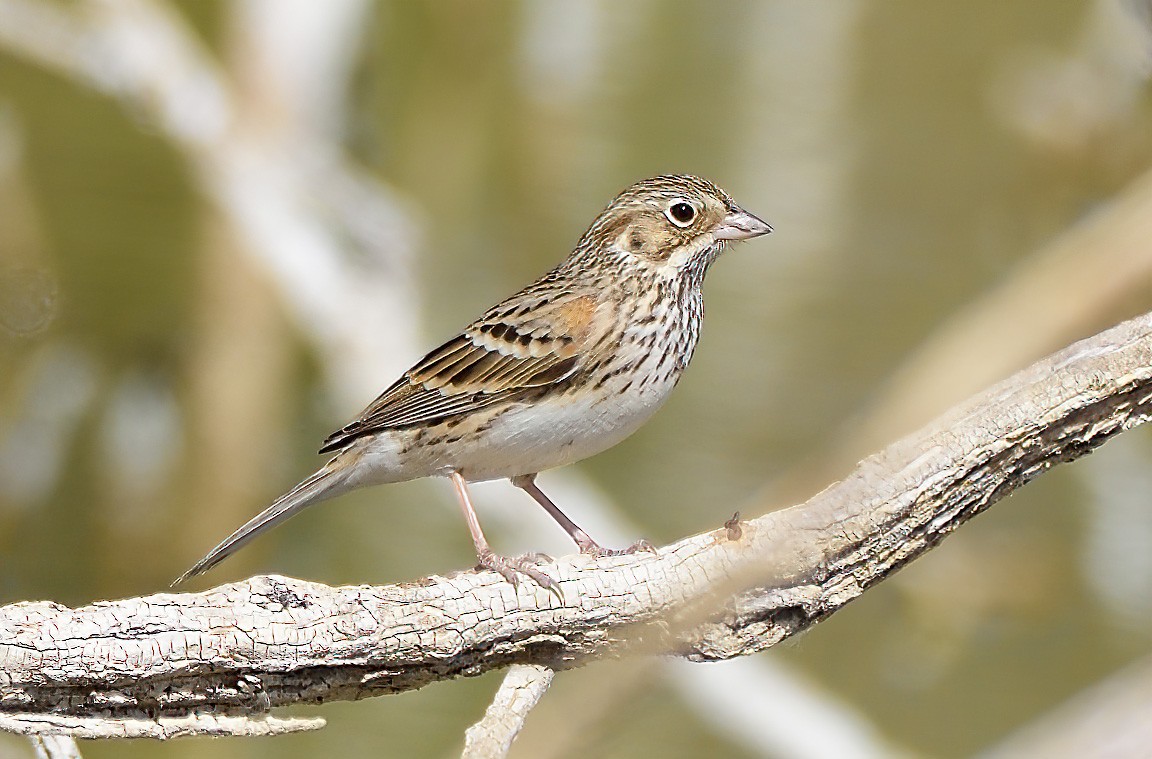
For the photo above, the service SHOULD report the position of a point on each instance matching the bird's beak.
(740, 225)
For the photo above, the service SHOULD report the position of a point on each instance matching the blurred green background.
(225, 225)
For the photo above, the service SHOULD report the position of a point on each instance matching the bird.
(564, 369)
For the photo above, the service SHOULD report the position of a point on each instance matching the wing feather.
(499, 358)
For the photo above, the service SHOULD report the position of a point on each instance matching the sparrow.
(564, 369)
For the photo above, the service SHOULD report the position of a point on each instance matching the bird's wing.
(515, 349)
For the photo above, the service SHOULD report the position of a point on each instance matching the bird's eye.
(681, 213)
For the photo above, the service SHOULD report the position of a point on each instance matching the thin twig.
(67, 727)
(56, 747)
(522, 689)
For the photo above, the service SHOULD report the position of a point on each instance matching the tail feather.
(322, 485)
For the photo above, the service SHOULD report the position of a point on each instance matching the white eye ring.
(680, 212)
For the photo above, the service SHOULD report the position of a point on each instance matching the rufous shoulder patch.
(575, 316)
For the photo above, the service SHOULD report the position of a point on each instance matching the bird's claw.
(641, 545)
(597, 551)
(513, 568)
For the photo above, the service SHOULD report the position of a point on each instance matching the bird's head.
(670, 224)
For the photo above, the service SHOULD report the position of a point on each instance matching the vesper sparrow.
(567, 367)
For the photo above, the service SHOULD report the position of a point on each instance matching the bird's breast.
(613, 398)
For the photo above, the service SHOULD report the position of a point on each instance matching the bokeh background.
(225, 226)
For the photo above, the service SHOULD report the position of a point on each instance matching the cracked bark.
(172, 664)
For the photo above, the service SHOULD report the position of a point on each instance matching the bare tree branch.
(97, 726)
(522, 689)
(243, 648)
(55, 747)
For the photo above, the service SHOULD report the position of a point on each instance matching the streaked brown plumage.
(566, 368)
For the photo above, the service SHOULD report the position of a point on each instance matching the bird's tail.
(327, 482)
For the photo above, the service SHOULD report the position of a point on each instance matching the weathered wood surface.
(157, 664)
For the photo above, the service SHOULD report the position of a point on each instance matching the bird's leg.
(527, 483)
(504, 566)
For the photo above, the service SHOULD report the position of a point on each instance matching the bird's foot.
(513, 568)
(596, 550)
